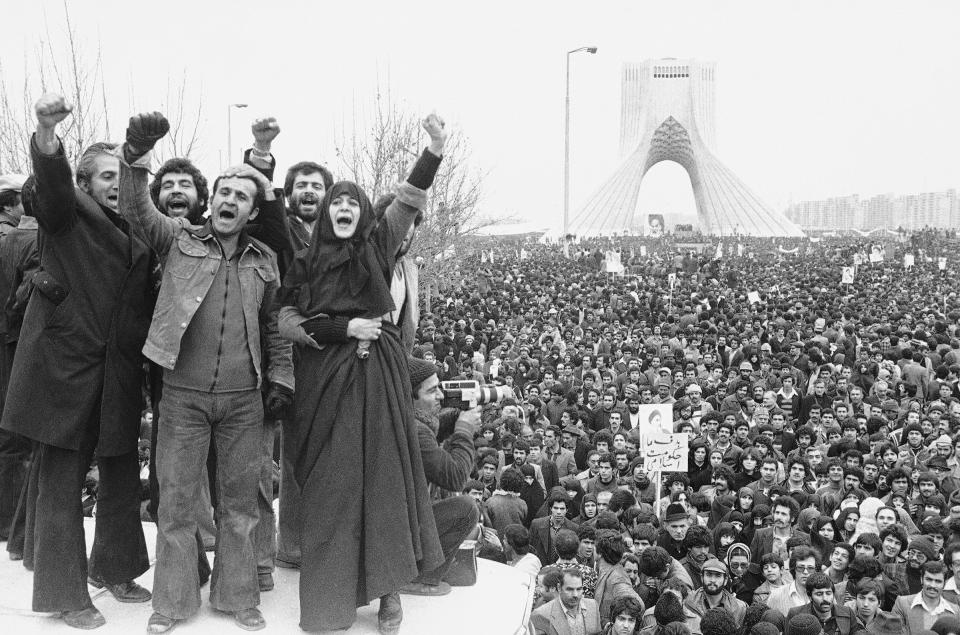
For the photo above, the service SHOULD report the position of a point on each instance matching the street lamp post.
(230, 107)
(566, 142)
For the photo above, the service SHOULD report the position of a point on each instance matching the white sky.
(814, 99)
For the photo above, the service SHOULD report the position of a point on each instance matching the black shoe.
(390, 614)
(250, 619)
(87, 619)
(160, 623)
(265, 581)
(16, 555)
(128, 591)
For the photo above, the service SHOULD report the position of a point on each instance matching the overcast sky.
(814, 99)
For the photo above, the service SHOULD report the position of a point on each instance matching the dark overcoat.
(79, 355)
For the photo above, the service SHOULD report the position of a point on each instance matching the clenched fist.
(144, 130)
(51, 109)
(436, 128)
(264, 130)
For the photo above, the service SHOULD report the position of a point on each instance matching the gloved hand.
(144, 130)
(278, 401)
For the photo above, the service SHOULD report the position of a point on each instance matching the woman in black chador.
(367, 522)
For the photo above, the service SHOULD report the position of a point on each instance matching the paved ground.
(462, 612)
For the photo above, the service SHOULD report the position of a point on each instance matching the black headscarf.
(342, 276)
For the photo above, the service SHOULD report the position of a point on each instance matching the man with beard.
(304, 186)
(834, 619)
(714, 593)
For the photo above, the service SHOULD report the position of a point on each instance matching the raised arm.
(264, 130)
(56, 197)
(157, 230)
(411, 194)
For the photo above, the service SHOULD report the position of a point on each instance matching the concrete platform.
(499, 604)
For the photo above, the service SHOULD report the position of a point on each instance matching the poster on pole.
(875, 254)
(753, 297)
(846, 275)
(672, 280)
(656, 418)
(664, 452)
(942, 263)
(908, 260)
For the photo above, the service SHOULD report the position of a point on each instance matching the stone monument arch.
(668, 114)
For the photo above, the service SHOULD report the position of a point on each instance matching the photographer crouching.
(447, 468)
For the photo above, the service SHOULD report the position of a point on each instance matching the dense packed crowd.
(815, 378)
(822, 492)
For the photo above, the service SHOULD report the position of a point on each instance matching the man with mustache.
(714, 593)
(835, 620)
(304, 186)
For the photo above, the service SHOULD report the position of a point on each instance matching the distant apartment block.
(910, 211)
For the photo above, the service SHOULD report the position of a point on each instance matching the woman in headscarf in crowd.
(588, 509)
(723, 536)
(846, 524)
(368, 524)
(531, 493)
(748, 469)
(699, 471)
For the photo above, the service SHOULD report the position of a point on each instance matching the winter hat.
(420, 371)
(925, 546)
(675, 511)
(805, 624)
(764, 628)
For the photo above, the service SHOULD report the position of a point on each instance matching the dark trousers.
(191, 421)
(60, 556)
(288, 538)
(456, 517)
(14, 458)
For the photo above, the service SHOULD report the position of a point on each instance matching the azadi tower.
(668, 114)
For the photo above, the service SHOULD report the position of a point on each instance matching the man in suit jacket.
(785, 513)
(569, 613)
(543, 530)
(920, 610)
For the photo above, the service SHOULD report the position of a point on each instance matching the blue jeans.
(190, 420)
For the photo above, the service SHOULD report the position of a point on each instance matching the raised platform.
(499, 604)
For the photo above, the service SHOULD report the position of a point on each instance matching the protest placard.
(753, 297)
(846, 275)
(655, 419)
(664, 452)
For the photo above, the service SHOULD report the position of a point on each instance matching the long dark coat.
(85, 324)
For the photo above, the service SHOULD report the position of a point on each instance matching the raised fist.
(264, 130)
(145, 129)
(435, 127)
(51, 109)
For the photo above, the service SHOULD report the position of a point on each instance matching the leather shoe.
(265, 581)
(390, 614)
(422, 588)
(128, 591)
(250, 619)
(16, 555)
(160, 623)
(87, 619)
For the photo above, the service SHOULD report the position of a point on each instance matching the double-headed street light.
(566, 142)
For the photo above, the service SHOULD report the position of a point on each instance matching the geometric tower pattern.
(668, 114)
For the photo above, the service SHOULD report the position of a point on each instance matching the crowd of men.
(817, 380)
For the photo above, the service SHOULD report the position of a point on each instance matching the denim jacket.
(191, 258)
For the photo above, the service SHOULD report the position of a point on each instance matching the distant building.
(910, 211)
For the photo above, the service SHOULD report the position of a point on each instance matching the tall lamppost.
(230, 107)
(566, 143)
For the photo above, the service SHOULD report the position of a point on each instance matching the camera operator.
(447, 468)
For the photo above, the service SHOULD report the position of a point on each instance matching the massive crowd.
(816, 379)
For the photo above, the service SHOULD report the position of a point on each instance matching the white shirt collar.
(940, 608)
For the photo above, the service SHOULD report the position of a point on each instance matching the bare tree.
(384, 153)
(75, 72)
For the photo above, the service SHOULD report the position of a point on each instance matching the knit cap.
(805, 624)
(420, 371)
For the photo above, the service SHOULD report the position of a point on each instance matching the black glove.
(144, 130)
(278, 401)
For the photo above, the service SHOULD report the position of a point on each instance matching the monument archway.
(667, 114)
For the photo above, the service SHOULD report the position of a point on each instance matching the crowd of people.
(275, 334)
